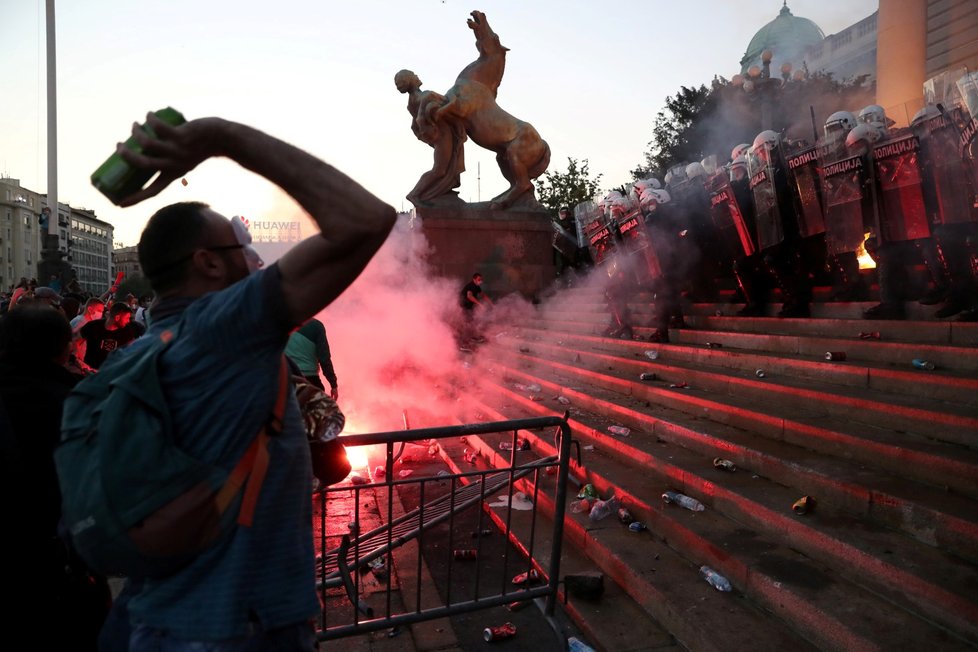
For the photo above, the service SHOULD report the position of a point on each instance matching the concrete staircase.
(888, 557)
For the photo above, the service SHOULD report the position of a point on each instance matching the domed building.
(788, 37)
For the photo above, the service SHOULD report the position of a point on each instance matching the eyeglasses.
(221, 248)
(191, 255)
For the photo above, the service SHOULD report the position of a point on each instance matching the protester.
(256, 589)
(104, 336)
(46, 577)
(309, 349)
(473, 298)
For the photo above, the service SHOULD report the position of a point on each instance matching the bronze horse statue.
(520, 152)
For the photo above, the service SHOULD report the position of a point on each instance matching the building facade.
(125, 260)
(20, 232)
(800, 44)
(90, 251)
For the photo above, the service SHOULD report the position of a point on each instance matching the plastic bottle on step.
(716, 580)
(599, 511)
(683, 501)
(575, 644)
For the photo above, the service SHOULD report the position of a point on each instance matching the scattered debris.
(621, 431)
(683, 500)
(715, 579)
(724, 465)
(506, 630)
(803, 505)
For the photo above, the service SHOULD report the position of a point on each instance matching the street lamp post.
(52, 261)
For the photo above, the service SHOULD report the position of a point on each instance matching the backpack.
(133, 502)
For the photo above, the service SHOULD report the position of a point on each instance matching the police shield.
(902, 213)
(732, 232)
(948, 193)
(564, 241)
(767, 213)
(598, 231)
(848, 206)
(806, 189)
(637, 244)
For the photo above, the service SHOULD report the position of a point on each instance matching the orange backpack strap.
(253, 465)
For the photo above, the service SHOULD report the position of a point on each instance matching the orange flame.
(865, 260)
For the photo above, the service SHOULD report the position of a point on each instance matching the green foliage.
(698, 122)
(137, 286)
(570, 188)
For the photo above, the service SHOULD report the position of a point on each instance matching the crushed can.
(625, 516)
(646, 376)
(518, 605)
(874, 335)
(714, 345)
(636, 526)
(926, 365)
(527, 577)
(835, 356)
(652, 355)
(760, 373)
(465, 554)
(506, 630)
(723, 465)
(588, 491)
(803, 505)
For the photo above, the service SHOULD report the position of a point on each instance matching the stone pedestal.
(511, 249)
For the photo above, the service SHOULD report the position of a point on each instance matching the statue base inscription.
(512, 249)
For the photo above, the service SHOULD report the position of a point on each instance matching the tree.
(672, 131)
(138, 286)
(699, 122)
(570, 188)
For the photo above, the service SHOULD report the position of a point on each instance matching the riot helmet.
(675, 175)
(838, 125)
(739, 150)
(695, 170)
(863, 135)
(872, 113)
(921, 117)
(710, 164)
(738, 168)
(765, 143)
(661, 196)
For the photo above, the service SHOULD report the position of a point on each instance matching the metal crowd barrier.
(348, 558)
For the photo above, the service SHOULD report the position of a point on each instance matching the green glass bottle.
(115, 178)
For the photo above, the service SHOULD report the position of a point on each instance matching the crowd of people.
(793, 215)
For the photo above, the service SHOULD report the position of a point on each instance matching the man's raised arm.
(353, 223)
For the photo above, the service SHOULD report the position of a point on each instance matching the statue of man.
(445, 136)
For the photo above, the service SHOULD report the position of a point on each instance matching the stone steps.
(887, 559)
(814, 599)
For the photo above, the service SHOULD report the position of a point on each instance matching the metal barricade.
(346, 553)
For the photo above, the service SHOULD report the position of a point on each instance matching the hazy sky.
(589, 75)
